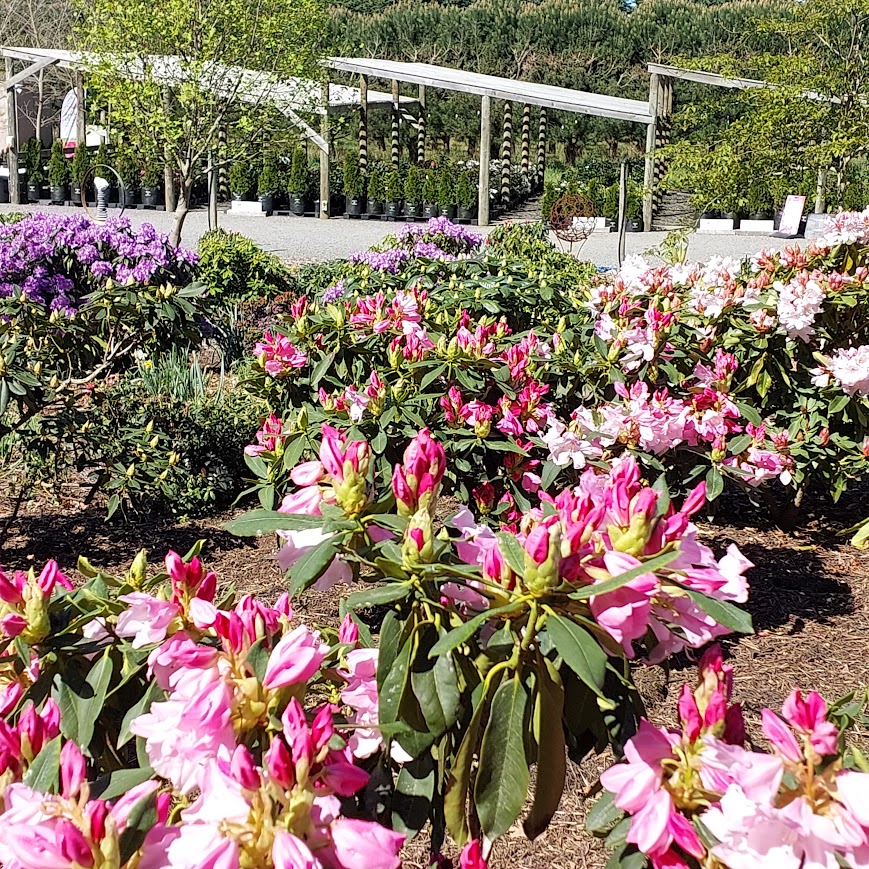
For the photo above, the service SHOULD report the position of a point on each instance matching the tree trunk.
(182, 208)
(40, 96)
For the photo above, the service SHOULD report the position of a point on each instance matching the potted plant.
(447, 194)
(268, 183)
(376, 190)
(128, 169)
(413, 191)
(58, 174)
(241, 181)
(354, 186)
(152, 183)
(430, 194)
(392, 191)
(35, 172)
(634, 208)
(78, 171)
(297, 182)
(466, 196)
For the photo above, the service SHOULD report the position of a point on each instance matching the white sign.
(792, 214)
(69, 119)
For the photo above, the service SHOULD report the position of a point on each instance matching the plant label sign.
(792, 214)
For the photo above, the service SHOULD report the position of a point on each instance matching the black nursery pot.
(152, 196)
(393, 209)
(128, 197)
(59, 193)
(298, 202)
(448, 211)
(412, 209)
(467, 213)
(429, 211)
(4, 190)
(375, 208)
(355, 205)
(33, 191)
(267, 201)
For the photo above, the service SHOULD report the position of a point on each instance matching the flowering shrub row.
(749, 370)
(695, 795)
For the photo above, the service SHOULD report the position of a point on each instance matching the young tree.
(177, 72)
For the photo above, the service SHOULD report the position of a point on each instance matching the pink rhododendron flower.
(277, 355)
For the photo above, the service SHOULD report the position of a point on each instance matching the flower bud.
(542, 556)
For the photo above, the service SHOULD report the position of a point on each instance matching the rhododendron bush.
(147, 722)
(753, 371)
(510, 647)
(695, 796)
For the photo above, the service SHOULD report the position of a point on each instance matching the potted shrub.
(78, 171)
(392, 191)
(268, 184)
(297, 182)
(354, 186)
(376, 190)
(241, 181)
(152, 183)
(634, 215)
(466, 196)
(35, 172)
(58, 174)
(430, 194)
(413, 191)
(447, 194)
(127, 167)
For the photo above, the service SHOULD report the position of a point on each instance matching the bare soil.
(808, 600)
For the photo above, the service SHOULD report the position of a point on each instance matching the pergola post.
(541, 147)
(420, 136)
(324, 155)
(168, 168)
(12, 138)
(212, 191)
(526, 141)
(396, 118)
(506, 153)
(651, 137)
(485, 145)
(80, 125)
(363, 125)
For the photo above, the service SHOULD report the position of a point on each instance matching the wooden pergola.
(487, 87)
(291, 97)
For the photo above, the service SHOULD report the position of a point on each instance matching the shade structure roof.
(301, 95)
(548, 96)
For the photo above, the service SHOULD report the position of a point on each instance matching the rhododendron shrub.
(512, 646)
(126, 697)
(694, 796)
(794, 329)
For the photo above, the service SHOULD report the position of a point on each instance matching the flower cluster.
(796, 806)
(439, 238)
(848, 368)
(277, 355)
(56, 260)
(608, 525)
(269, 438)
(24, 599)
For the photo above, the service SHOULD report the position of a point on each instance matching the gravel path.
(307, 239)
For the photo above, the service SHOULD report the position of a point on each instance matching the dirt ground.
(808, 600)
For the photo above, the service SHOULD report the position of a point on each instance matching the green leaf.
(320, 369)
(839, 403)
(415, 788)
(579, 649)
(142, 819)
(459, 779)
(550, 472)
(431, 376)
(551, 751)
(110, 787)
(378, 444)
(465, 631)
(139, 708)
(43, 774)
(437, 692)
(256, 523)
(312, 565)
(395, 682)
(740, 444)
(714, 484)
(603, 815)
(377, 595)
(502, 778)
(81, 707)
(512, 551)
(650, 566)
(723, 612)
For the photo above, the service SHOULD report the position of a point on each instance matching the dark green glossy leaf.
(44, 773)
(579, 649)
(256, 523)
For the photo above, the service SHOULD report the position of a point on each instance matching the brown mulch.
(808, 599)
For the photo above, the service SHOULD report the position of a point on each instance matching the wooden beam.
(12, 139)
(485, 149)
(324, 157)
(33, 69)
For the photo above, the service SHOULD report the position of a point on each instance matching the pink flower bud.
(243, 770)
(689, 715)
(779, 734)
(96, 811)
(344, 778)
(294, 659)
(348, 633)
(74, 847)
(472, 856)
(50, 576)
(12, 625)
(73, 770)
(280, 764)
(308, 473)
